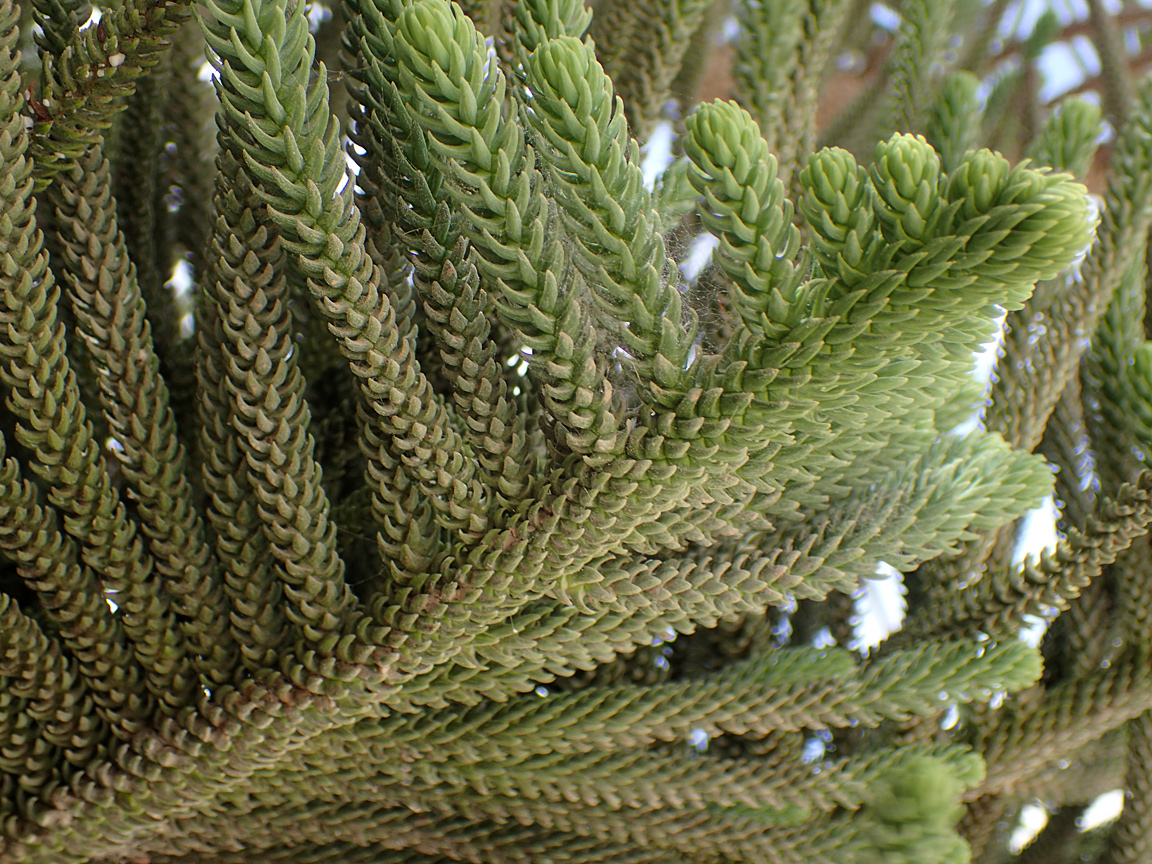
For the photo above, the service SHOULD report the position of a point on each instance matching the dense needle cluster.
(443, 512)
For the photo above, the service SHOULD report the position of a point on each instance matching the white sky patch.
(1033, 818)
(207, 72)
(699, 739)
(699, 254)
(880, 607)
(1065, 65)
(657, 154)
(731, 30)
(985, 363)
(884, 17)
(1037, 532)
(990, 353)
(1104, 809)
(317, 14)
(180, 282)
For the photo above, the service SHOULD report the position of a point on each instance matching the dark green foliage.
(444, 516)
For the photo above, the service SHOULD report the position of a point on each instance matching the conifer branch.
(1131, 838)
(59, 21)
(538, 21)
(322, 232)
(1064, 446)
(740, 833)
(497, 185)
(822, 28)
(953, 121)
(1024, 393)
(52, 422)
(192, 170)
(997, 603)
(1020, 743)
(257, 622)
(610, 495)
(83, 90)
(49, 562)
(593, 166)
(409, 535)
(924, 29)
(1118, 90)
(53, 734)
(767, 55)
(446, 281)
(645, 56)
(255, 333)
(788, 690)
(109, 312)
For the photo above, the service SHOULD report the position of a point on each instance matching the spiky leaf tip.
(837, 205)
(906, 176)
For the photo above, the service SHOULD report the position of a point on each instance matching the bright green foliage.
(912, 814)
(953, 123)
(448, 515)
(1069, 139)
(924, 31)
(758, 257)
(767, 59)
